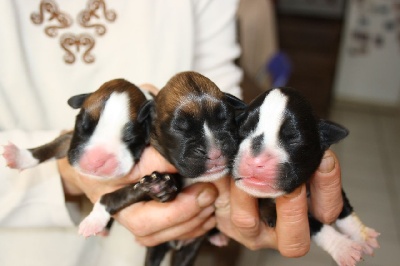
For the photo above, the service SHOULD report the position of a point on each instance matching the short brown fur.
(94, 104)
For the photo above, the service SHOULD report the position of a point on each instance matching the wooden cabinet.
(312, 45)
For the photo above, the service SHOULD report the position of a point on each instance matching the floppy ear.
(77, 100)
(235, 102)
(330, 133)
(145, 111)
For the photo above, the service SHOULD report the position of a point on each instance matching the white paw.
(356, 230)
(350, 253)
(18, 158)
(345, 251)
(370, 242)
(95, 222)
(219, 240)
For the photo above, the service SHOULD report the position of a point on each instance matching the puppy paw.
(95, 223)
(160, 187)
(350, 253)
(370, 242)
(356, 230)
(18, 158)
(219, 240)
(345, 251)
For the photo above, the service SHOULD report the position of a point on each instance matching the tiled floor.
(370, 161)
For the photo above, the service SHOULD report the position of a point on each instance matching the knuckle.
(295, 250)
(328, 212)
(252, 245)
(293, 215)
(147, 241)
(244, 222)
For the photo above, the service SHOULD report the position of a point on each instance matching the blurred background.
(345, 57)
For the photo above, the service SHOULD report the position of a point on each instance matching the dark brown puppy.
(194, 128)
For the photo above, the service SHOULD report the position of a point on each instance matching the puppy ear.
(235, 102)
(145, 111)
(77, 100)
(330, 133)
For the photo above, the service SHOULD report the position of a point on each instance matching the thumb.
(325, 189)
(292, 228)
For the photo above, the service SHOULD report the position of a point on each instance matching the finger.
(325, 189)
(146, 218)
(151, 160)
(202, 229)
(150, 88)
(197, 226)
(292, 229)
(244, 213)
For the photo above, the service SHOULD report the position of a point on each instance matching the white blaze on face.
(270, 121)
(272, 113)
(108, 133)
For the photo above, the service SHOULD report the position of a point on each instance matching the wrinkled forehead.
(272, 113)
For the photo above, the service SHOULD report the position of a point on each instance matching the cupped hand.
(238, 215)
(189, 215)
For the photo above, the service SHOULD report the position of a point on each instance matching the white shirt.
(148, 42)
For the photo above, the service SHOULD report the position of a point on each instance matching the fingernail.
(207, 211)
(205, 198)
(327, 164)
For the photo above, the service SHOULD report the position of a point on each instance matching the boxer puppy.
(194, 128)
(108, 138)
(282, 146)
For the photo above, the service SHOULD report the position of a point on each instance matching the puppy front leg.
(160, 187)
(343, 250)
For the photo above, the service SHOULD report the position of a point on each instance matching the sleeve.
(216, 43)
(32, 197)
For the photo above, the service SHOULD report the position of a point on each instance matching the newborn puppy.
(108, 138)
(282, 146)
(194, 128)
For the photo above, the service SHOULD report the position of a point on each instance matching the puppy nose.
(258, 162)
(98, 162)
(214, 154)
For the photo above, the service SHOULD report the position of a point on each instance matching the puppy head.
(110, 131)
(194, 126)
(282, 143)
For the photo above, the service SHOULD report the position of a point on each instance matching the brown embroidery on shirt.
(90, 12)
(72, 43)
(48, 6)
(68, 41)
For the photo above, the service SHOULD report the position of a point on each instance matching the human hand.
(188, 216)
(238, 215)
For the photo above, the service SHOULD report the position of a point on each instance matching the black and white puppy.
(282, 146)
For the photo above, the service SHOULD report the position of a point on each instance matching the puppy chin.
(259, 192)
(209, 177)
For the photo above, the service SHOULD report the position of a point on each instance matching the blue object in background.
(279, 69)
